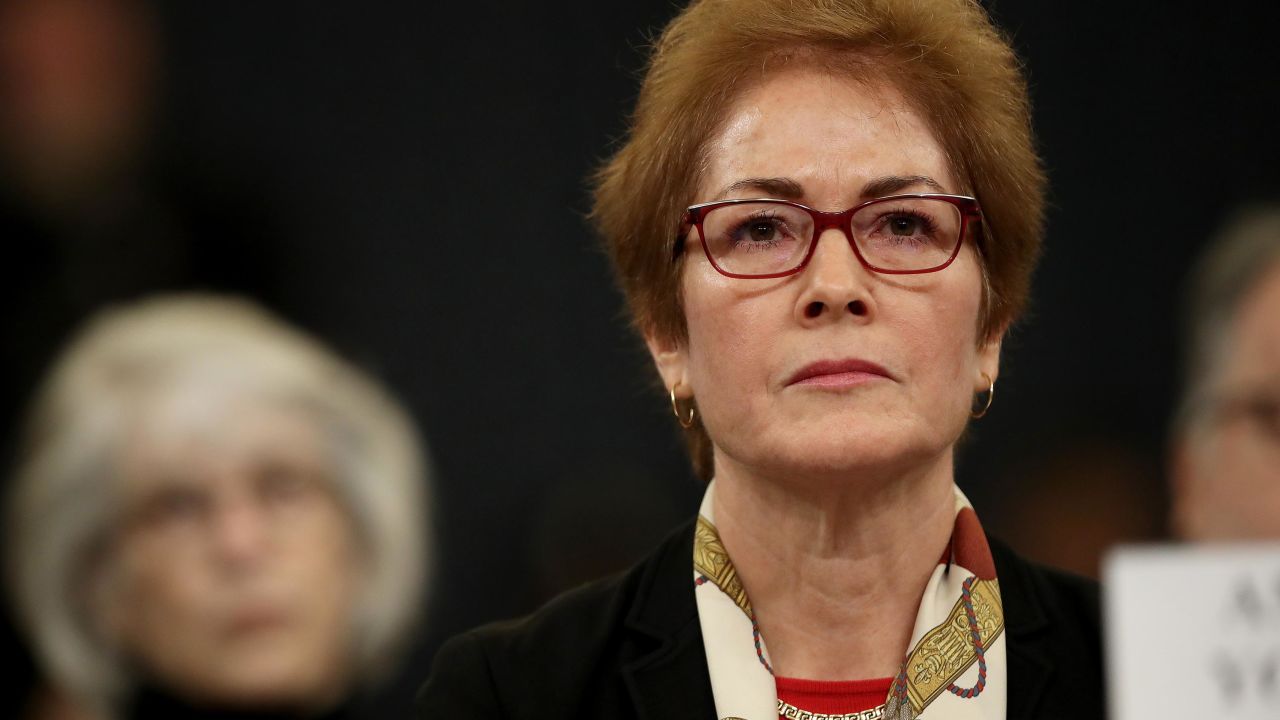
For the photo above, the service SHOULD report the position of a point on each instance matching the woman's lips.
(839, 373)
(251, 621)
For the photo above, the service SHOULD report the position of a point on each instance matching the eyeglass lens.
(763, 238)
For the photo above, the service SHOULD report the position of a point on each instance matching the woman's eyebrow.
(890, 184)
(788, 189)
(778, 187)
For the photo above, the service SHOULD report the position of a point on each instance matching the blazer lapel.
(672, 683)
(668, 678)
(1025, 621)
(1029, 672)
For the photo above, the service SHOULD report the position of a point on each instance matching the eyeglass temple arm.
(686, 224)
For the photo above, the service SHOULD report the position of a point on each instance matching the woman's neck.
(835, 571)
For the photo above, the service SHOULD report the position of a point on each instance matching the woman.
(1226, 440)
(214, 515)
(824, 219)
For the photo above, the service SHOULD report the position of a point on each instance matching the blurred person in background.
(96, 204)
(824, 218)
(213, 514)
(1226, 452)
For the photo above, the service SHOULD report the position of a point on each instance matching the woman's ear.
(672, 361)
(989, 360)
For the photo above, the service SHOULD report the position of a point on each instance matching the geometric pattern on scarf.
(941, 657)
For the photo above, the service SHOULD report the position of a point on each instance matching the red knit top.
(832, 697)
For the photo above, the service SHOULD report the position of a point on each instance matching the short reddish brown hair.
(944, 56)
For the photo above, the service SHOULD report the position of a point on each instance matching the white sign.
(1193, 631)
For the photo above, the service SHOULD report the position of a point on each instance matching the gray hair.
(61, 501)
(1242, 254)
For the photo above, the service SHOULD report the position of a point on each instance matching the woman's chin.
(839, 455)
(268, 680)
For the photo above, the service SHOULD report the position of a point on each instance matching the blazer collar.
(668, 678)
(1025, 620)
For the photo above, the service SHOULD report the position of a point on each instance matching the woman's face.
(836, 143)
(1228, 466)
(232, 577)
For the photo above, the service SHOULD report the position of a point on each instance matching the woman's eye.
(172, 506)
(181, 505)
(1266, 413)
(904, 225)
(761, 231)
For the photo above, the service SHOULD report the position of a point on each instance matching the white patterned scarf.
(955, 668)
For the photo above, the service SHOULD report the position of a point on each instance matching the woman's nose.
(240, 531)
(835, 282)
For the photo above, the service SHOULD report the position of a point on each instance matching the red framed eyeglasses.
(769, 238)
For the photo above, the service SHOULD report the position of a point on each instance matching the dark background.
(409, 183)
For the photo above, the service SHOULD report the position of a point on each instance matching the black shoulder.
(460, 684)
(543, 660)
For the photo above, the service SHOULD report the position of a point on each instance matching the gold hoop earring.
(685, 423)
(991, 395)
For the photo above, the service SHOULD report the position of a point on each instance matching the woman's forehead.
(829, 135)
(201, 431)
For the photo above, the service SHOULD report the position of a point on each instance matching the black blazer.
(631, 647)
